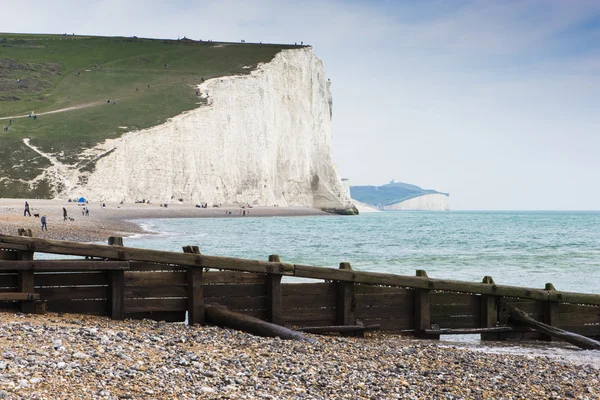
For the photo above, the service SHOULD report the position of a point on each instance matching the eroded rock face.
(263, 139)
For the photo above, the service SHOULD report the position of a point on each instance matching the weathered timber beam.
(19, 296)
(520, 317)
(222, 316)
(466, 331)
(133, 254)
(418, 282)
(338, 328)
(63, 265)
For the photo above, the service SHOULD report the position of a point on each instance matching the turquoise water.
(515, 248)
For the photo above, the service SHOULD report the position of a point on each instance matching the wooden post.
(26, 283)
(115, 241)
(116, 285)
(551, 311)
(273, 291)
(345, 303)
(195, 290)
(489, 311)
(422, 311)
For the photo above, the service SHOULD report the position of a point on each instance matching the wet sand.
(117, 219)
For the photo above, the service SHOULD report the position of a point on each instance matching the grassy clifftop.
(82, 77)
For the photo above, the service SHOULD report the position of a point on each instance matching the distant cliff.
(262, 138)
(401, 196)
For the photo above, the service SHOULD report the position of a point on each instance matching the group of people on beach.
(27, 212)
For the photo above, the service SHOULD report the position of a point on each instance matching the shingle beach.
(57, 356)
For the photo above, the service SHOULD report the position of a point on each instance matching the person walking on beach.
(26, 209)
(64, 214)
(43, 220)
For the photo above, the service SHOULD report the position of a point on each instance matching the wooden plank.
(26, 282)
(195, 291)
(9, 305)
(565, 308)
(8, 280)
(586, 330)
(235, 290)
(405, 298)
(311, 314)
(212, 277)
(141, 266)
(582, 317)
(313, 301)
(308, 289)
(463, 321)
(63, 265)
(153, 279)
(390, 312)
(274, 294)
(394, 325)
(146, 305)
(299, 324)
(241, 303)
(8, 254)
(141, 292)
(96, 307)
(441, 310)
(73, 292)
(13, 296)
(374, 289)
(449, 299)
(167, 316)
(133, 254)
(70, 279)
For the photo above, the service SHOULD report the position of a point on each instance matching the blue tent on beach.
(81, 200)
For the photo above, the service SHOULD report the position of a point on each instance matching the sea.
(514, 248)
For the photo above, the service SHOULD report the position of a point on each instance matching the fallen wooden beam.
(222, 316)
(18, 296)
(338, 328)
(519, 317)
(62, 265)
(467, 331)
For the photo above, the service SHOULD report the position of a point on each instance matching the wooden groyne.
(124, 282)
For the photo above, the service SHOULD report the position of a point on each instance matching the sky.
(495, 102)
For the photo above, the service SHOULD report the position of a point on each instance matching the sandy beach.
(116, 219)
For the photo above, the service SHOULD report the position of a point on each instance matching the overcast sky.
(496, 102)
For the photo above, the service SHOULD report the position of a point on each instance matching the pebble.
(149, 360)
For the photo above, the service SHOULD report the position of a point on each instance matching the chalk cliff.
(262, 138)
(427, 202)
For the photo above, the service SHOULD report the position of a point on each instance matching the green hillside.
(150, 80)
(385, 195)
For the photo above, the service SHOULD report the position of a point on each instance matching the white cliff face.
(263, 139)
(427, 202)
